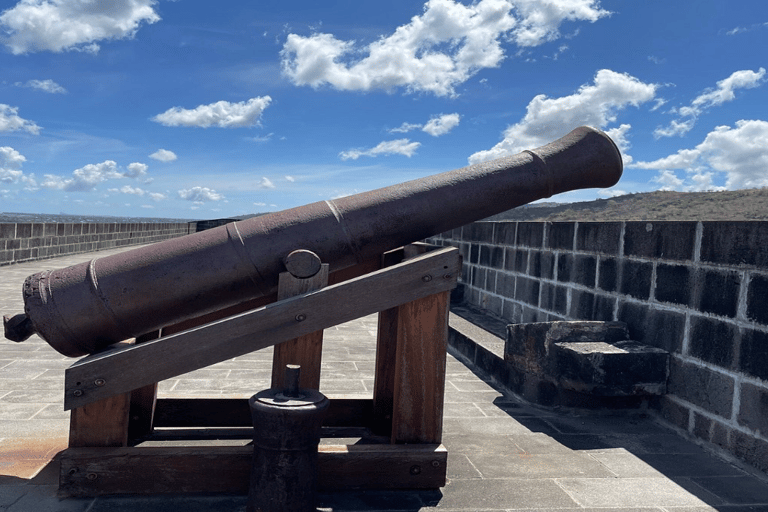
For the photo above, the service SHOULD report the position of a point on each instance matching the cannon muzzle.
(84, 308)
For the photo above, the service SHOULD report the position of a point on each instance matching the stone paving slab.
(504, 454)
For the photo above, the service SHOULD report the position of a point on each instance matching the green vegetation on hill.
(735, 205)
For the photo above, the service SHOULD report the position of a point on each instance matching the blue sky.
(193, 109)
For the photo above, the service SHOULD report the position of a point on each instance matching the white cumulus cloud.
(10, 165)
(136, 170)
(436, 51)
(85, 178)
(739, 154)
(595, 105)
(200, 194)
(43, 85)
(266, 183)
(724, 92)
(163, 155)
(436, 126)
(222, 114)
(392, 147)
(11, 122)
(441, 124)
(61, 25)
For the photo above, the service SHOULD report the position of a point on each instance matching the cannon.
(84, 308)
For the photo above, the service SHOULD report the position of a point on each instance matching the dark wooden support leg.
(384, 380)
(143, 400)
(420, 370)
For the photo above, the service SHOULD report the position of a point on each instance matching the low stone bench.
(583, 364)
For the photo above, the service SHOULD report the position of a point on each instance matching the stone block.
(601, 237)
(491, 256)
(521, 260)
(23, 230)
(504, 233)
(583, 364)
(753, 356)
(533, 341)
(478, 277)
(713, 341)
(734, 243)
(490, 280)
(582, 305)
(564, 267)
(527, 290)
(554, 298)
(672, 411)
(604, 308)
(505, 285)
(673, 284)
(7, 230)
(710, 390)
(757, 299)
(753, 407)
(477, 232)
(658, 328)
(584, 270)
(512, 312)
(663, 240)
(560, 235)
(608, 274)
(535, 264)
(625, 368)
(636, 279)
(719, 292)
(510, 258)
(750, 449)
(474, 253)
(530, 234)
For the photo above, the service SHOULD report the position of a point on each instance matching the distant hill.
(749, 204)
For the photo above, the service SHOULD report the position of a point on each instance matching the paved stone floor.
(503, 453)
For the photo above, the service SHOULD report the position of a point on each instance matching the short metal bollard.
(286, 432)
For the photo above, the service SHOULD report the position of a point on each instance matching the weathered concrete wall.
(37, 241)
(696, 289)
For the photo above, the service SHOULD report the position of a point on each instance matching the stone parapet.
(20, 242)
(697, 290)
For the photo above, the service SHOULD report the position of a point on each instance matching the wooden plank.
(384, 378)
(420, 370)
(307, 350)
(235, 412)
(386, 347)
(226, 469)
(101, 423)
(121, 369)
(142, 405)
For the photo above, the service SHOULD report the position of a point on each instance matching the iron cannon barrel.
(84, 308)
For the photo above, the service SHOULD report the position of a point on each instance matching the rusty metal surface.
(84, 308)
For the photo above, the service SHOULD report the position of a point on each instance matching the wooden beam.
(226, 469)
(101, 423)
(420, 370)
(305, 351)
(121, 369)
(142, 408)
(235, 412)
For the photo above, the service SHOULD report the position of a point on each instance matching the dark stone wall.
(38, 241)
(698, 290)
